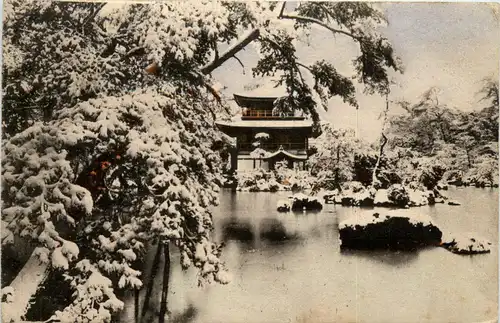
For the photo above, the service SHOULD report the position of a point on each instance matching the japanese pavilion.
(286, 135)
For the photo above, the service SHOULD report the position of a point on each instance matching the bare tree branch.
(241, 63)
(322, 24)
(253, 35)
(304, 66)
(282, 8)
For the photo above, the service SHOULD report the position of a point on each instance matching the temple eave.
(301, 124)
(287, 154)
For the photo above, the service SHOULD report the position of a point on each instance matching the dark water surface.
(289, 268)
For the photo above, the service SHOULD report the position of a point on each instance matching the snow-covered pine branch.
(112, 157)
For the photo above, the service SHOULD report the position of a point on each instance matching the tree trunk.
(154, 271)
(380, 154)
(384, 141)
(136, 306)
(469, 162)
(166, 276)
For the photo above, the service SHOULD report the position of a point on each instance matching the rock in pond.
(283, 206)
(329, 196)
(467, 244)
(389, 231)
(303, 202)
(442, 186)
(417, 198)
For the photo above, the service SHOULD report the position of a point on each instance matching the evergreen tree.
(110, 143)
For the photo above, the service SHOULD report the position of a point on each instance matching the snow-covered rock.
(303, 202)
(329, 196)
(283, 206)
(467, 244)
(395, 196)
(453, 202)
(360, 198)
(389, 231)
(273, 185)
(417, 198)
(363, 198)
(381, 198)
(442, 186)
(263, 185)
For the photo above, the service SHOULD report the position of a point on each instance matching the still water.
(289, 268)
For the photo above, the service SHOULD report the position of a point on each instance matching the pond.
(289, 268)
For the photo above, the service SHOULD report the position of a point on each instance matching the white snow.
(466, 243)
(59, 260)
(259, 153)
(368, 218)
(7, 235)
(128, 254)
(70, 250)
(223, 276)
(262, 135)
(418, 198)
(381, 197)
(25, 286)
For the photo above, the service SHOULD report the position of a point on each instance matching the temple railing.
(267, 114)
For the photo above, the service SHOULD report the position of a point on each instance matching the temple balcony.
(254, 114)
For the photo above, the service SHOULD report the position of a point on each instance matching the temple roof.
(285, 153)
(268, 89)
(244, 101)
(266, 93)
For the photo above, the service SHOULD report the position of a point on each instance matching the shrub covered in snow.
(398, 195)
(390, 231)
(333, 163)
(483, 174)
(467, 244)
(353, 186)
(283, 179)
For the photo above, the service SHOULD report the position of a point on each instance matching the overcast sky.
(448, 45)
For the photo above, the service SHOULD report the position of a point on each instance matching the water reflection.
(254, 232)
(289, 268)
(187, 316)
(274, 230)
(237, 229)
(390, 258)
